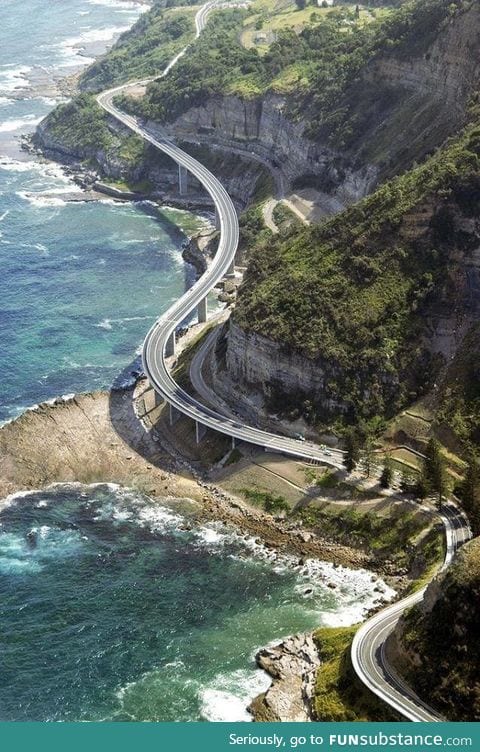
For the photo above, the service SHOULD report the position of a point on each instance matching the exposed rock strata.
(200, 249)
(261, 128)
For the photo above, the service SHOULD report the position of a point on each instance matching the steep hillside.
(342, 105)
(358, 317)
(437, 644)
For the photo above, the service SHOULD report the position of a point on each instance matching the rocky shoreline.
(292, 664)
(98, 438)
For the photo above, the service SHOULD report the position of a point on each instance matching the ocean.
(81, 282)
(113, 607)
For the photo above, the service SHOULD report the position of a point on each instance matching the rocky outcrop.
(261, 129)
(264, 375)
(292, 665)
(200, 249)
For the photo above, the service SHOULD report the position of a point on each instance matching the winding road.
(158, 338)
(368, 650)
(369, 653)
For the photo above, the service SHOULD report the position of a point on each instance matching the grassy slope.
(339, 694)
(445, 641)
(354, 291)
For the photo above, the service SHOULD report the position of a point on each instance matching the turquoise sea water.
(109, 607)
(81, 282)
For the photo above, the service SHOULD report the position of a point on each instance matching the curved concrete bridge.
(160, 341)
(368, 649)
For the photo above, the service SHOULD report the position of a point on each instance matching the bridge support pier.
(202, 310)
(182, 180)
(234, 442)
(200, 431)
(174, 414)
(170, 348)
(217, 220)
(158, 400)
(231, 269)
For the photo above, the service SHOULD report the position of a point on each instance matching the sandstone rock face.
(109, 163)
(258, 371)
(261, 128)
(447, 70)
(292, 664)
(258, 364)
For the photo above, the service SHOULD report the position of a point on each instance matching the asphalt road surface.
(368, 650)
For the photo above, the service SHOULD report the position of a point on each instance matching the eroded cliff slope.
(436, 644)
(362, 315)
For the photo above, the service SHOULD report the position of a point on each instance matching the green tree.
(368, 458)
(470, 493)
(386, 477)
(406, 481)
(433, 474)
(352, 448)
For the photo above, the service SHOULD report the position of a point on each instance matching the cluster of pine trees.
(432, 480)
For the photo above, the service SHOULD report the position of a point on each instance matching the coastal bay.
(53, 456)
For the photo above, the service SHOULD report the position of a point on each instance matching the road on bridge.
(368, 650)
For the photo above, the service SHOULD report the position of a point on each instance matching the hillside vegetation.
(316, 68)
(339, 695)
(144, 50)
(439, 639)
(356, 290)
(80, 127)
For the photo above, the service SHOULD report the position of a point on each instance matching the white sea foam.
(50, 101)
(159, 519)
(40, 201)
(15, 165)
(10, 126)
(13, 77)
(15, 556)
(13, 499)
(338, 596)
(226, 698)
(72, 49)
(121, 4)
(108, 323)
(47, 170)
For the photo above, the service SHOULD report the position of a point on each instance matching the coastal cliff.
(435, 645)
(261, 129)
(364, 314)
